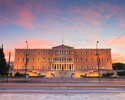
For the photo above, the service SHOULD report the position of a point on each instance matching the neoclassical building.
(62, 57)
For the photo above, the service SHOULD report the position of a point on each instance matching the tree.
(3, 64)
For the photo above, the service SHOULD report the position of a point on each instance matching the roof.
(62, 47)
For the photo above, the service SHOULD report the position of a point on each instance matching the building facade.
(62, 57)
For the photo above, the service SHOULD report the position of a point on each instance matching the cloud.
(117, 57)
(122, 23)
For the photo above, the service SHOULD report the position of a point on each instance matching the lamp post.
(26, 59)
(98, 59)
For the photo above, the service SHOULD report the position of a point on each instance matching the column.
(61, 66)
(71, 66)
(66, 66)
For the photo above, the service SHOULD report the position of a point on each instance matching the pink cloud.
(122, 23)
(117, 57)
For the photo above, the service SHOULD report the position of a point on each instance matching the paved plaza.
(91, 96)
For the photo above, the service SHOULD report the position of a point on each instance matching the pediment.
(62, 47)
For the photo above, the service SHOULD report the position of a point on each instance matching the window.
(48, 59)
(91, 52)
(34, 52)
(76, 59)
(60, 52)
(18, 52)
(38, 67)
(55, 52)
(107, 59)
(23, 52)
(38, 59)
(81, 59)
(38, 52)
(43, 67)
(32, 67)
(107, 52)
(91, 59)
(101, 52)
(43, 59)
(65, 58)
(76, 52)
(81, 52)
(55, 59)
(28, 52)
(70, 59)
(28, 59)
(18, 59)
(86, 67)
(17, 67)
(27, 67)
(76, 67)
(48, 67)
(96, 52)
(43, 52)
(65, 52)
(81, 67)
(87, 59)
(107, 67)
(69, 52)
(102, 59)
(33, 59)
(23, 59)
(48, 52)
(102, 67)
(86, 52)
(92, 67)
(60, 58)
(22, 67)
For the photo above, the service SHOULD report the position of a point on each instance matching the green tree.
(3, 64)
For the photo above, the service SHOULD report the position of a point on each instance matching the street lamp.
(26, 58)
(98, 59)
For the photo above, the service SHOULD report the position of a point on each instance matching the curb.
(66, 85)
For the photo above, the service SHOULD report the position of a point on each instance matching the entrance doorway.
(70, 67)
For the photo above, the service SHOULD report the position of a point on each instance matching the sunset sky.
(43, 23)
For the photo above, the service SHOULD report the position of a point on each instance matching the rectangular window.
(107, 67)
(81, 67)
(43, 67)
(76, 59)
(28, 59)
(60, 58)
(48, 67)
(34, 52)
(107, 52)
(86, 52)
(38, 67)
(86, 67)
(70, 59)
(92, 67)
(60, 52)
(27, 67)
(76, 67)
(55, 52)
(43, 52)
(81, 59)
(43, 59)
(69, 52)
(48, 52)
(32, 67)
(101, 52)
(28, 52)
(102, 67)
(102, 59)
(23, 52)
(23, 59)
(107, 59)
(22, 67)
(17, 67)
(91, 52)
(87, 59)
(91, 59)
(55, 59)
(38, 59)
(81, 52)
(33, 59)
(38, 52)
(18, 52)
(76, 52)
(18, 59)
(48, 59)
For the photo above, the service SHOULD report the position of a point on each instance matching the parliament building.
(62, 58)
